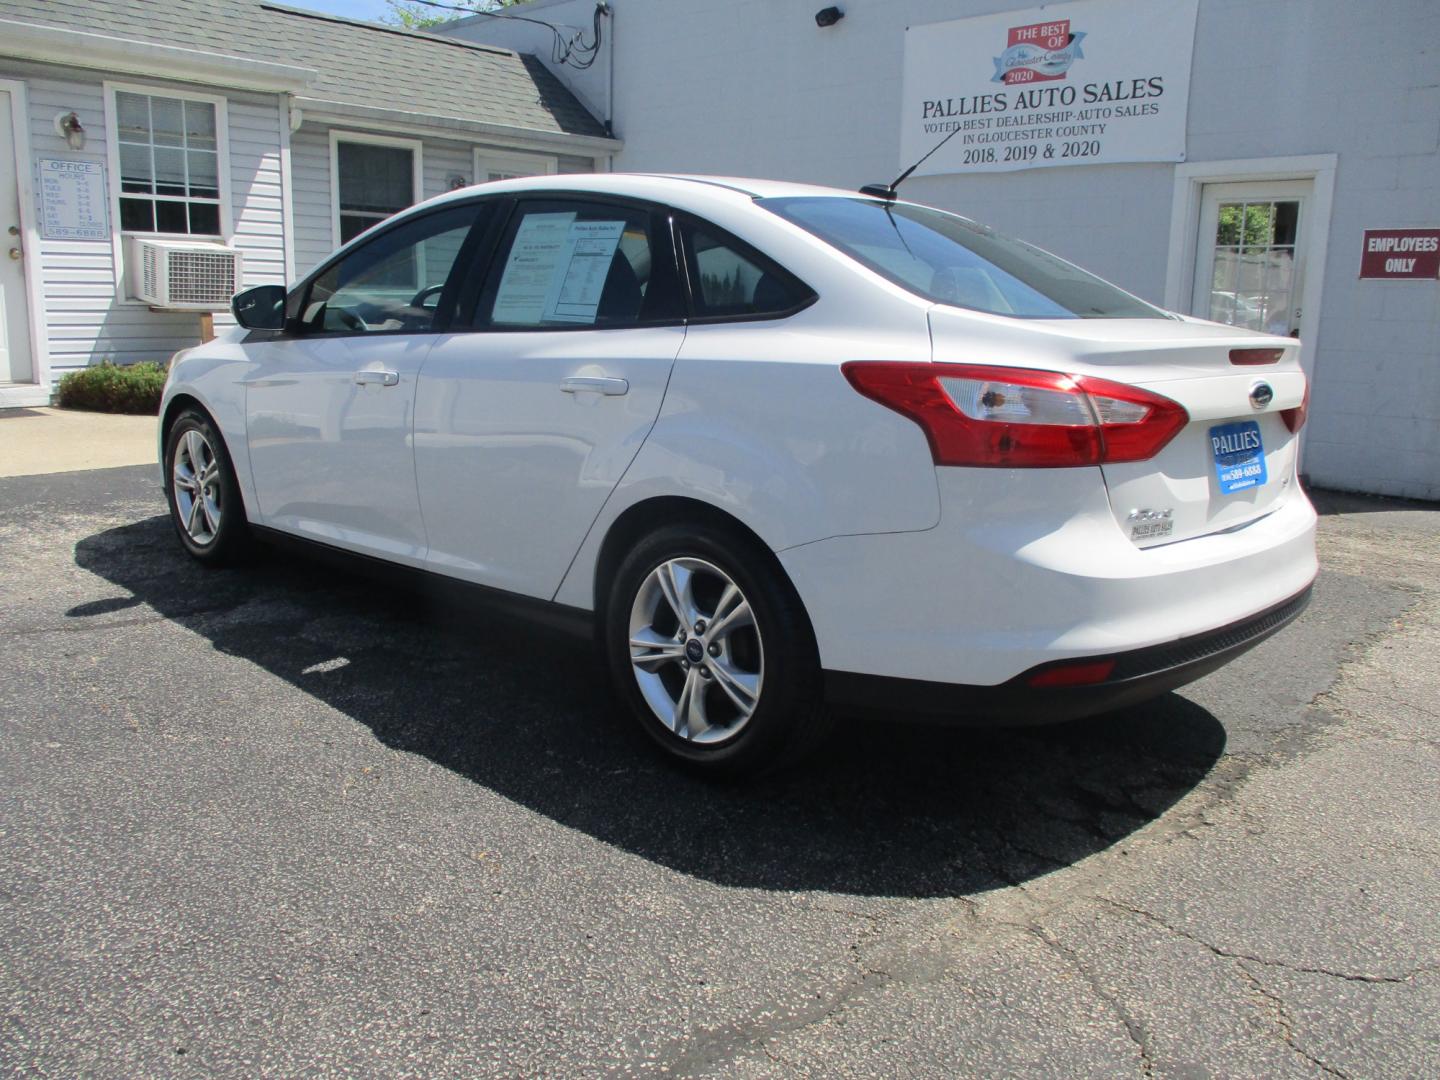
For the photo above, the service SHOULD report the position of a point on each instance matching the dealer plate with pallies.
(782, 452)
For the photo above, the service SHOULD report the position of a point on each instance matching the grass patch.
(115, 388)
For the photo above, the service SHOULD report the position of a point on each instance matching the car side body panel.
(332, 457)
(214, 375)
(759, 422)
(515, 456)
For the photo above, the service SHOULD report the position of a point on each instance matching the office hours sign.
(1066, 84)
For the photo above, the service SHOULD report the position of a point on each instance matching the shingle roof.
(358, 63)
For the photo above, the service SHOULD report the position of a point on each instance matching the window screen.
(169, 165)
(372, 182)
(564, 264)
(393, 282)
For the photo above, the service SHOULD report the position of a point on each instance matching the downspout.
(289, 122)
(610, 91)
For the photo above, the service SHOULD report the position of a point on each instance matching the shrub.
(108, 387)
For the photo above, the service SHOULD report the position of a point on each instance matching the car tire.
(743, 694)
(204, 497)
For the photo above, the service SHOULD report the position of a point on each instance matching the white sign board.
(556, 270)
(72, 200)
(1067, 84)
(588, 252)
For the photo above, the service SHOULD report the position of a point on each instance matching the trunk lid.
(1232, 463)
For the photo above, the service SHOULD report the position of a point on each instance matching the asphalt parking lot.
(282, 821)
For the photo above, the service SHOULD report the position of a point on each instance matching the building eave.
(77, 48)
(448, 127)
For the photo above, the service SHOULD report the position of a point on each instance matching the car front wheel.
(205, 504)
(711, 650)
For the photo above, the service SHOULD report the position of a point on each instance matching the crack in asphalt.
(1283, 1023)
(1230, 954)
(706, 1050)
(1134, 1030)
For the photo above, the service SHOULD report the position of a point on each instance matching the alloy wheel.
(696, 650)
(195, 476)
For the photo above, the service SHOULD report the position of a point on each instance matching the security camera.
(828, 16)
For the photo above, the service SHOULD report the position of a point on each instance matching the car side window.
(570, 264)
(394, 282)
(730, 280)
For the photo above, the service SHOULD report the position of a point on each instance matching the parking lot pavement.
(279, 819)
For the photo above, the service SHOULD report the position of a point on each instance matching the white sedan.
(778, 447)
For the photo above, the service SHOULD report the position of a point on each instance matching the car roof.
(679, 189)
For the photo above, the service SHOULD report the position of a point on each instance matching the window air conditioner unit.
(179, 276)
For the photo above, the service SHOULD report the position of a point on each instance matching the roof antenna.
(887, 191)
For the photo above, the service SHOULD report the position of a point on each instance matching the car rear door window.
(394, 282)
(730, 280)
(570, 264)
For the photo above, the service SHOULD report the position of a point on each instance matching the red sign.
(1037, 53)
(1401, 253)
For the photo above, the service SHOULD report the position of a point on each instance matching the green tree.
(1250, 224)
(415, 16)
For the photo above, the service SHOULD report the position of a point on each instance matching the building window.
(495, 165)
(374, 178)
(169, 151)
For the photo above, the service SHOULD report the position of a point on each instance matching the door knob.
(377, 378)
(591, 384)
(14, 230)
(15, 253)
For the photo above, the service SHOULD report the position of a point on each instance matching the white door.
(15, 365)
(524, 425)
(1250, 258)
(329, 402)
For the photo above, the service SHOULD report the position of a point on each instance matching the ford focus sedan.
(779, 448)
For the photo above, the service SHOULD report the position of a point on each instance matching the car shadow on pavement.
(886, 809)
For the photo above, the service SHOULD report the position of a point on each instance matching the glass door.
(1250, 259)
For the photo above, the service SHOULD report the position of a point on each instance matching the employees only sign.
(1068, 84)
(1401, 254)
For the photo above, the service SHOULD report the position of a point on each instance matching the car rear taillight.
(1251, 357)
(1295, 418)
(1000, 417)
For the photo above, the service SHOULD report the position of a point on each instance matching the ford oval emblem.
(1261, 395)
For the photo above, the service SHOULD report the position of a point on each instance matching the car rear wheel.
(711, 650)
(205, 504)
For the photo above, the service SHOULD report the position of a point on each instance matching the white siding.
(444, 160)
(310, 185)
(85, 311)
(256, 190)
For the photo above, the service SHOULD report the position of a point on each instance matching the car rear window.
(950, 260)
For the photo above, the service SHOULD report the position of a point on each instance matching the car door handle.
(593, 384)
(383, 378)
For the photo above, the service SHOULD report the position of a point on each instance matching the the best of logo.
(1040, 52)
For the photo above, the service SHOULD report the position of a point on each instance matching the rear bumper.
(1029, 567)
(1138, 675)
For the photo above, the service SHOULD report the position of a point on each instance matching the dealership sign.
(1401, 253)
(1068, 84)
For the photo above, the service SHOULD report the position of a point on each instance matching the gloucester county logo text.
(1041, 52)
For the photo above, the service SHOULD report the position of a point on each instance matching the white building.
(1323, 116)
(239, 135)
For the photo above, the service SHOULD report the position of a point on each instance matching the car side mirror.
(260, 308)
